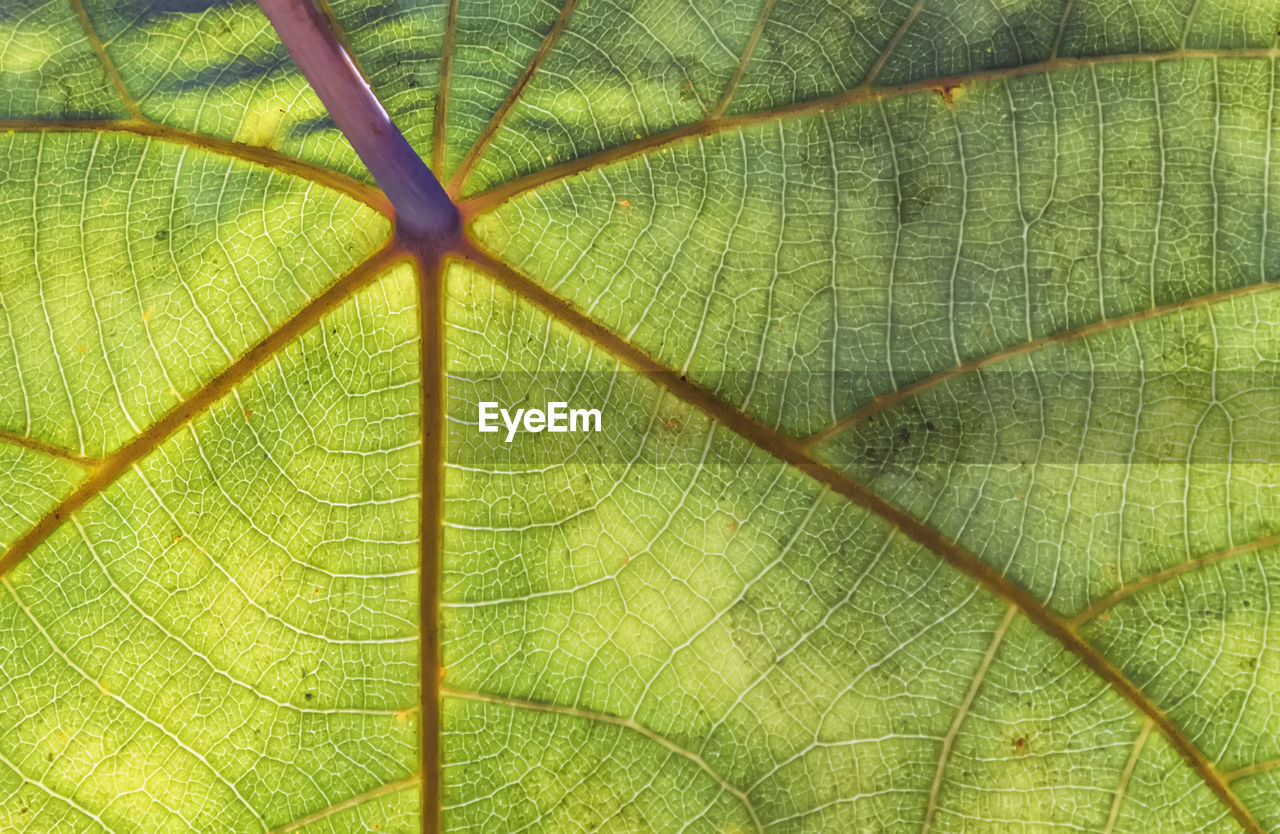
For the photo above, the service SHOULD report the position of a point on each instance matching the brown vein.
(954, 730)
(893, 44)
(494, 197)
(906, 392)
(367, 796)
(1130, 588)
(114, 465)
(431, 523)
(442, 97)
(49, 449)
(103, 58)
(732, 87)
(793, 452)
(627, 723)
(459, 178)
(1062, 29)
(253, 154)
(780, 446)
(1127, 775)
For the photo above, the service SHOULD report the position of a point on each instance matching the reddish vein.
(252, 154)
(430, 527)
(468, 164)
(976, 364)
(499, 194)
(793, 452)
(446, 81)
(110, 468)
(427, 227)
(331, 19)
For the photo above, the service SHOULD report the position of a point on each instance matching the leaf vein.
(954, 730)
(346, 804)
(108, 66)
(169, 734)
(116, 464)
(468, 164)
(252, 154)
(626, 723)
(499, 194)
(795, 453)
(981, 363)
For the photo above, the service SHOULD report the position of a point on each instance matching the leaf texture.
(936, 490)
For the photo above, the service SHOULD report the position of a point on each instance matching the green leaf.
(937, 489)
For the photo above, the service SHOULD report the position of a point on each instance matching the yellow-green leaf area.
(135, 269)
(934, 489)
(50, 69)
(247, 623)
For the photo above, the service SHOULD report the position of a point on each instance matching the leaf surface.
(936, 490)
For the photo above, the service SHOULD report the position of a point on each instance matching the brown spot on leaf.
(947, 92)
